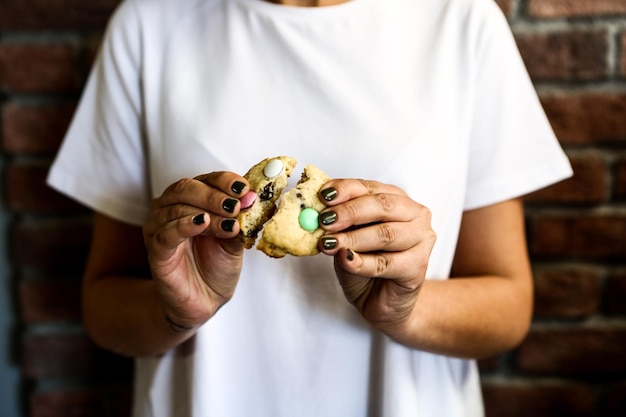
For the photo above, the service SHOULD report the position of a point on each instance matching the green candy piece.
(308, 219)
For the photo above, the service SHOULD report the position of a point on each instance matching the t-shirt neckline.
(297, 12)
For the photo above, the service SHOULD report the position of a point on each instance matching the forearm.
(468, 317)
(125, 315)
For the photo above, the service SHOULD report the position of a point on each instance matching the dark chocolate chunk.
(268, 192)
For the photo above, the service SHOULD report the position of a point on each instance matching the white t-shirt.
(429, 95)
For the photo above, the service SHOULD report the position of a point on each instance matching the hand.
(381, 241)
(195, 257)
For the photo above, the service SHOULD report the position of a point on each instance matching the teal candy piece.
(308, 219)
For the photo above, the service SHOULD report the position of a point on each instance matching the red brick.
(575, 8)
(567, 292)
(567, 55)
(573, 351)
(118, 400)
(91, 47)
(615, 303)
(506, 6)
(74, 403)
(490, 364)
(586, 236)
(87, 401)
(55, 245)
(538, 399)
(58, 355)
(26, 191)
(51, 15)
(620, 179)
(623, 54)
(584, 118)
(43, 68)
(588, 185)
(71, 355)
(47, 301)
(613, 400)
(34, 129)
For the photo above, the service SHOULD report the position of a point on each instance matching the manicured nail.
(248, 200)
(329, 243)
(199, 219)
(228, 225)
(329, 194)
(350, 255)
(229, 204)
(238, 187)
(328, 217)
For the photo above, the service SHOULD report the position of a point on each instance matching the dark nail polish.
(329, 194)
(238, 187)
(228, 225)
(229, 204)
(199, 219)
(329, 243)
(350, 255)
(328, 217)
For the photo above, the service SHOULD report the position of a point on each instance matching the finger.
(195, 193)
(399, 266)
(373, 208)
(163, 239)
(222, 227)
(338, 191)
(228, 182)
(387, 236)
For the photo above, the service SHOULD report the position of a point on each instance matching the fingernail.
(329, 194)
(350, 255)
(328, 217)
(329, 243)
(199, 219)
(228, 225)
(238, 187)
(229, 204)
(248, 200)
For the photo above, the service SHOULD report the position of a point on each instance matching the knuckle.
(155, 204)
(426, 214)
(181, 185)
(385, 201)
(159, 238)
(422, 258)
(369, 186)
(381, 265)
(349, 240)
(175, 212)
(431, 236)
(386, 234)
(353, 209)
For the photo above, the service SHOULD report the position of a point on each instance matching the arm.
(381, 265)
(486, 307)
(122, 310)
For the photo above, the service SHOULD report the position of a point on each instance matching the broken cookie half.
(292, 227)
(267, 180)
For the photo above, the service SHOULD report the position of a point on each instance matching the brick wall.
(571, 364)
(46, 49)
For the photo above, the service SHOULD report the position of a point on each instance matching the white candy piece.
(273, 168)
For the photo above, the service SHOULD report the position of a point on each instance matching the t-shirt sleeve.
(102, 160)
(513, 149)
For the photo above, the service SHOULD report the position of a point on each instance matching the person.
(423, 115)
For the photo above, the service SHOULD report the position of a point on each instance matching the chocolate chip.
(268, 192)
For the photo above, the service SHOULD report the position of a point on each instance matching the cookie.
(294, 228)
(267, 180)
